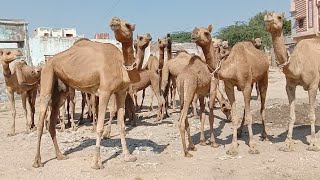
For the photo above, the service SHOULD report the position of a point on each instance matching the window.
(300, 22)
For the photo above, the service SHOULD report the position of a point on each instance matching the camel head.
(7, 56)
(164, 42)
(143, 40)
(123, 31)
(257, 42)
(274, 22)
(224, 44)
(202, 36)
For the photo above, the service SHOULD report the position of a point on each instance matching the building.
(306, 19)
(14, 35)
(55, 32)
(101, 36)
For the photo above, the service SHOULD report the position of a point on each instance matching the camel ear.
(133, 27)
(1, 52)
(283, 14)
(158, 40)
(210, 27)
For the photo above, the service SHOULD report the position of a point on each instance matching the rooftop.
(13, 21)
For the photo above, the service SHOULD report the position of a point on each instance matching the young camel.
(244, 66)
(301, 68)
(95, 68)
(22, 80)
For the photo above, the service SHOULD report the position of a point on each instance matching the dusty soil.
(158, 147)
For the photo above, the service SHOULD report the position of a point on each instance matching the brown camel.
(244, 66)
(194, 79)
(156, 64)
(95, 68)
(301, 68)
(23, 80)
(175, 66)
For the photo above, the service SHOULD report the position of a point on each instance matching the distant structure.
(101, 36)
(55, 32)
(14, 35)
(306, 19)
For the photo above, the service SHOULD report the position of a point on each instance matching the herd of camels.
(104, 73)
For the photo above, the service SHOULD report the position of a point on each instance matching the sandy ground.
(158, 147)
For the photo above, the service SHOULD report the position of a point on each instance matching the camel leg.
(213, 93)
(173, 97)
(10, 95)
(258, 90)
(120, 99)
(62, 118)
(194, 106)
(104, 97)
(156, 90)
(32, 102)
(248, 117)
(88, 99)
(151, 102)
(93, 110)
(312, 98)
(239, 131)
(107, 131)
(52, 124)
(291, 92)
(202, 119)
(224, 104)
(262, 89)
(143, 95)
(83, 104)
(47, 78)
(72, 105)
(234, 118)
(26, 113)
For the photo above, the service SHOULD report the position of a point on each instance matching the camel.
(244, 66)
(23, 80)
(224, 50)
(174, 67)
(95, 68)
(156, 64)
(194, 79)
(301, 68)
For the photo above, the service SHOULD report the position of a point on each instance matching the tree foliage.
(255, 28)
(181, 37)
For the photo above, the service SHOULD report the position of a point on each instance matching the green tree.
(181, 37)
(255, 28)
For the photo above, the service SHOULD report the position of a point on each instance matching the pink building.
(306, 18)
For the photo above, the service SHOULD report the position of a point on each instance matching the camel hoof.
(253, 151)
(313, 147)
(106, 135)
(239, 135)
(34, 128)
(37, 163)
(74, 128)
(192, 148)
(12, 134)
(97, 166)
(286, 149)
(264, 139)
(62, 157)
(130, 158)
(203, 143)
(232, 152)
(188, 155)
(215, 145)
(61, 130)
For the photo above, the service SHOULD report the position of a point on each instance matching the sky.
(156, 17)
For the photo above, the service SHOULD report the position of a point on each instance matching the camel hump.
(81, 39)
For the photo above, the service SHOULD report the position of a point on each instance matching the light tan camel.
(95, 68)
(23, 80)
(244, 66)
(156, 64)
(175, 66)
(301, 68)
(194, 79)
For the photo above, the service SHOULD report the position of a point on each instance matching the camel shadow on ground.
(131, 143)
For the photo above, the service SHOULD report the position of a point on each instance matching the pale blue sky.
(154, 16)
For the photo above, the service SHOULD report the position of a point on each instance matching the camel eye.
(140, 38)
(207, 33)
(8, 53)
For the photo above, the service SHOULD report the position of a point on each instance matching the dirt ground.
(158, 146)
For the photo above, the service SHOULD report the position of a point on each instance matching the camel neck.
(128, 53)
(140, 57)
(209, 54)
(6, 69)
(279, 47)
(169, 51)
(161, 57)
